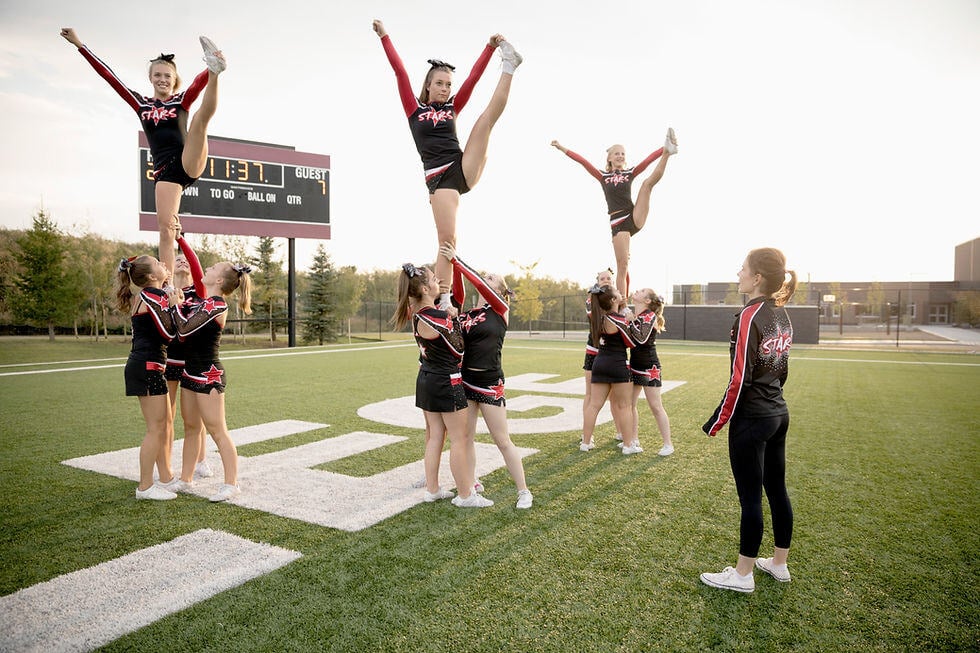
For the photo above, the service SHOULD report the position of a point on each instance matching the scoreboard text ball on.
(248, 189)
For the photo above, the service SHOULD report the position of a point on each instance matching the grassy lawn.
(883, 471)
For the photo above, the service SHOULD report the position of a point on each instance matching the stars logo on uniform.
(213, 375)
(655, 373)
(156, 114)
(617, 179)
(208, 305)
(436, 116)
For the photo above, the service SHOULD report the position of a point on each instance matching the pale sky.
(843, 132)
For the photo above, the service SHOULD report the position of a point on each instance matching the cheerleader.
(589, 416)
(484, 329)
(754, 406)
(153, 327)
(193, 291)
(625, 218)
(450, 170)
(645, 365)
(203, 381)
(610, 373)
(179, 151)
(439, 384)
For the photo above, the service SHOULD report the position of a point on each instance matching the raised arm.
(591, 169)
(496, 302)
(130, 96)
(466, 88)
(409, 102)
(197, 274)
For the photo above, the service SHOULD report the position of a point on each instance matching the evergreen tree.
(44, 291)
(269, 289)
(320, 322)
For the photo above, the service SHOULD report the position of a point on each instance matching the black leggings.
(757, 450)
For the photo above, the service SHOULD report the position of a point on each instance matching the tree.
(733, 297)
(802, 294)
(876, 299)
(527, 305)
(268, 291)
(696, 296)
(320, 322)
(44, 292)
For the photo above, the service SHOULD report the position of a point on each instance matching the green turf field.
(883, 471)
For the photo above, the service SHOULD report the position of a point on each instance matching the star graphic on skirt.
(498, 390)
(213, 375)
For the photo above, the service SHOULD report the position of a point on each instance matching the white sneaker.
(779, 572)
(618, 437)
(419, 483)
(524, 499)
(473, 501)
(429, 497)
(666, 450)
(619, 444)
(203, 470)
(176, 485)
(510, 57)
(728, 579)
(216, 62)
(670, 143)
(225, 492)
(445, 302)
(631, 449)
(478, 486)
(582, 446)
(155, 493)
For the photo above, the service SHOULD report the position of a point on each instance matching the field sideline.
(883, 470)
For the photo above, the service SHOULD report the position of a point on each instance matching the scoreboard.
(248, 189)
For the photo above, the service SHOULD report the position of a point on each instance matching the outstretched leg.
(475, 153)
(445, 203)
(195, 154)
(642, 208)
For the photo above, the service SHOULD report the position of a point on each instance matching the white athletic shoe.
(430, 497)
(225, 492)
(728, 579)
(582, 446)
(176, 485)
(632, 449)
(670, 144)
(510, 57)
(779, 572)
(618, 437)
(216, 62)
(155, 493)
(203, 470)
(419, 483)
(473, 501)
(478, 486)
(666, 450)
(524, 499)
(445, 302)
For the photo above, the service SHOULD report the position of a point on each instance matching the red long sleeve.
(409, 102)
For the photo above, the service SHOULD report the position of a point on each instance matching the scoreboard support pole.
(292, 292)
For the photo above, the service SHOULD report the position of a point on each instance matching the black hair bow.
(411, 270)
(242, 269)
(437, 63)
(595, 290)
